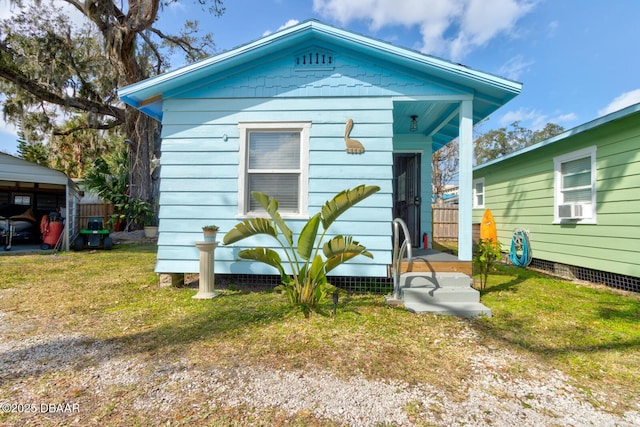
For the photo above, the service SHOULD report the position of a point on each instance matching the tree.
(499, 142)
(50, 68)
(549, 130)
(74, 152)
(109, 175)
(32, 150)
(444, 164)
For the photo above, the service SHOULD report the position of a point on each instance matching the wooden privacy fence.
(92, 210)
(445, 222)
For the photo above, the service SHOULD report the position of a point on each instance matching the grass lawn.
(591, 334)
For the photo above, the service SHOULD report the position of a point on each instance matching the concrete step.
(440, 295)
(434, 280)
(452, 309)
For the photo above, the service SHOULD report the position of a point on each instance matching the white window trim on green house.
(275, 136)
(478, 196)
(580, 208)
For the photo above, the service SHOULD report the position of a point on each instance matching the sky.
(577, 59)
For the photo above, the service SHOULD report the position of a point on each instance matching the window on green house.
(478, 193)
(575, 186)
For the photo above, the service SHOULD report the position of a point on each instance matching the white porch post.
(465, 139)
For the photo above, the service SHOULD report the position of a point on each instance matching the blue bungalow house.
(277, 115)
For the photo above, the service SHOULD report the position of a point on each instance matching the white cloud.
(8, 137)
(564, 118)
(515, 67)
(622, 101)
(289, 23)
(448, 27)
(8, 9)
(552, 28)
(8, 128)
(535, 120)
(521, 115)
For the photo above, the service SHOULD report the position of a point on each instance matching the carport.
(25, 185)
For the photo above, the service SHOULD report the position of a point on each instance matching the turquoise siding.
(519, 192)
(354, 75)
(199, 183)
(319, 75)
(200, 164)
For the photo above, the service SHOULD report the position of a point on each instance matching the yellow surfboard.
(488, 227)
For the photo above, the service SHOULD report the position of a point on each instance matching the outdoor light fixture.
(414, 123)
(334, 297)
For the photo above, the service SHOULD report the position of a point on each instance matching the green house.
(577, 194)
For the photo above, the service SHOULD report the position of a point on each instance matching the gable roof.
(489, 91)
(16, 169)
(600, 121)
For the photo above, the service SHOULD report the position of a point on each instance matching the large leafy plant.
(311, 259)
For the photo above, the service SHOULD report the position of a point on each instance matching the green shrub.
(486, 254)
(308, 284)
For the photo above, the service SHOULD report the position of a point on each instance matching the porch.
(430, 281)
(432, 261)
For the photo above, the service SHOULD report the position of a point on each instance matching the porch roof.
(437, 117)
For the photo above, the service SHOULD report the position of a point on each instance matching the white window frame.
(557, 183)
(19, 199)
(303, 183)
(477, 205)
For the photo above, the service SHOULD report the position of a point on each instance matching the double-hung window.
(274, 160)
(575, 186)
(478, 193)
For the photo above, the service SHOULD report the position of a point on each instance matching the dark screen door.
(407, 192)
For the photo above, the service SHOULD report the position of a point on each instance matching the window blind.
(274, 168)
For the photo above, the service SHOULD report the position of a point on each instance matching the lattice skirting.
(613, 280)
(384, 285)
(380, 285)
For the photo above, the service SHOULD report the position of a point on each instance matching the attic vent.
(315, 59)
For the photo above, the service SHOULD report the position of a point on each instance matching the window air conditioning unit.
(574, 211)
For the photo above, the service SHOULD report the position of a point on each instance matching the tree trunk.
(140, 131)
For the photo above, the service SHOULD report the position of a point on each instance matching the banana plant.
(307, 284)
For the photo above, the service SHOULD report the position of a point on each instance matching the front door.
(407, 192)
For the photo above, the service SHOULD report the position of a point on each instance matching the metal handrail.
(398, 253)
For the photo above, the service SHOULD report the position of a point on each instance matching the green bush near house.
(487, 253)
(308, 284)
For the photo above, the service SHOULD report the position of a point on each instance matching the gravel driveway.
(58, 379)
